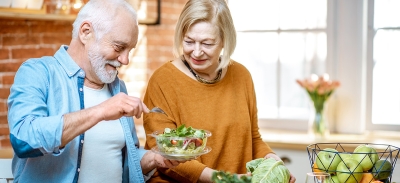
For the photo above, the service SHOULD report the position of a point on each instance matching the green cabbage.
(268, 171)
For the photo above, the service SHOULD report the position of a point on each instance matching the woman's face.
(202, 46)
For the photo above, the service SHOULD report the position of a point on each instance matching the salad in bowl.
(182, 143)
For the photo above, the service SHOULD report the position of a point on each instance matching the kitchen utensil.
(158, 110)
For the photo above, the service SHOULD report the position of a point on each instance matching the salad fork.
(158, 110)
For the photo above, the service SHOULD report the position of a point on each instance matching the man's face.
(111, 51)
(99, 63)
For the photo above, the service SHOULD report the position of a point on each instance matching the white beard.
(99, 62)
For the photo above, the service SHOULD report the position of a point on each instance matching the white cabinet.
(299, 163)
(6, 175)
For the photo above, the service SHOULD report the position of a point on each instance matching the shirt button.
(81, 141)
(80, 89)
(79, 169)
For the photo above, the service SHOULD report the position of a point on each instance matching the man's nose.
(123, 58)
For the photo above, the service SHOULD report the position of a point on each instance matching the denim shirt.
(44, 90)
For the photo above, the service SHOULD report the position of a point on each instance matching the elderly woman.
(203, 88)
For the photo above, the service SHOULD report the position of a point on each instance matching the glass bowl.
(181, 148)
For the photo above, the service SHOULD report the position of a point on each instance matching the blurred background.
(356, 42)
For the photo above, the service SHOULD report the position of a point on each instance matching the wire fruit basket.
(354, 162)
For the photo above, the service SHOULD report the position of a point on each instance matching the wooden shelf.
(34, 14)
(43, 14)
(37, 16)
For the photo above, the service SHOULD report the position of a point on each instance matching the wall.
(22, 39)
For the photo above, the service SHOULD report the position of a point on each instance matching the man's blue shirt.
(44, 90)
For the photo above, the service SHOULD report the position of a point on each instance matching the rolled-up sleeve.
(33, 132)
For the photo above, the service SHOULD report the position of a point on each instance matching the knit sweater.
(227, 109)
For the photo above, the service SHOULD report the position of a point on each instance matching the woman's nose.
(197, 51)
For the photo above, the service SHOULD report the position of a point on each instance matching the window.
(386, 64)
(356, 42)
(279, 44)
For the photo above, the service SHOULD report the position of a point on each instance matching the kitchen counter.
(300, 140)
(294, 140)
(292, 145)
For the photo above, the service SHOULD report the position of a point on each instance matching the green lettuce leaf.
(268, 171)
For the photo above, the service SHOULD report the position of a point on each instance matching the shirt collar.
(67, 63)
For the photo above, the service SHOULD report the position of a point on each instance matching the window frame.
(371, 32)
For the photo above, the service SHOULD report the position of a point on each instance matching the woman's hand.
(165, 163)
(277, 158)
(247, 174)
(272, 155)
(205, 176)
(151, 160)
(292, 178)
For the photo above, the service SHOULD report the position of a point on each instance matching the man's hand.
(78, 122)
(121, 105)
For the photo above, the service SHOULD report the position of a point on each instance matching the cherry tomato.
(198, 142)
(174, 142)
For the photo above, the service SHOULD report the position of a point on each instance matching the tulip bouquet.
(319, 88)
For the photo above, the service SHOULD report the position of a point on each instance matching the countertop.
(300, 140)
(294, 140)
(293, 145)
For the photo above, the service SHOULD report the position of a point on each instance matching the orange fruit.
(367, 178)
(315, 168)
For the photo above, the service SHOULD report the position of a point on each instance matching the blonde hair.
(215, 12)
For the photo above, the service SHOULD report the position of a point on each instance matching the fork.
(158, 110)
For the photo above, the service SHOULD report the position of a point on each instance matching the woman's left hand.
(277, 158)
(272, 155)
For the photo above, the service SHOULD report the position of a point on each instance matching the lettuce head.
(268, 171)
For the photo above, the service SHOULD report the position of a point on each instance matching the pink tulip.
(320, 85)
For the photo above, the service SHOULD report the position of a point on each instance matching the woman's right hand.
(151, 160)
(165, 163)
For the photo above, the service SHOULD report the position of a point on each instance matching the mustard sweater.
(227, 109)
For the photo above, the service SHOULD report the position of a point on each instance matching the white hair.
(101, 14)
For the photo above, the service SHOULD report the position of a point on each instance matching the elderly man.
(70, 117)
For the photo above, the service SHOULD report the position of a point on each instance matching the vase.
(318, 121)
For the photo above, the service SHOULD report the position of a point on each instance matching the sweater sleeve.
(186, 172)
